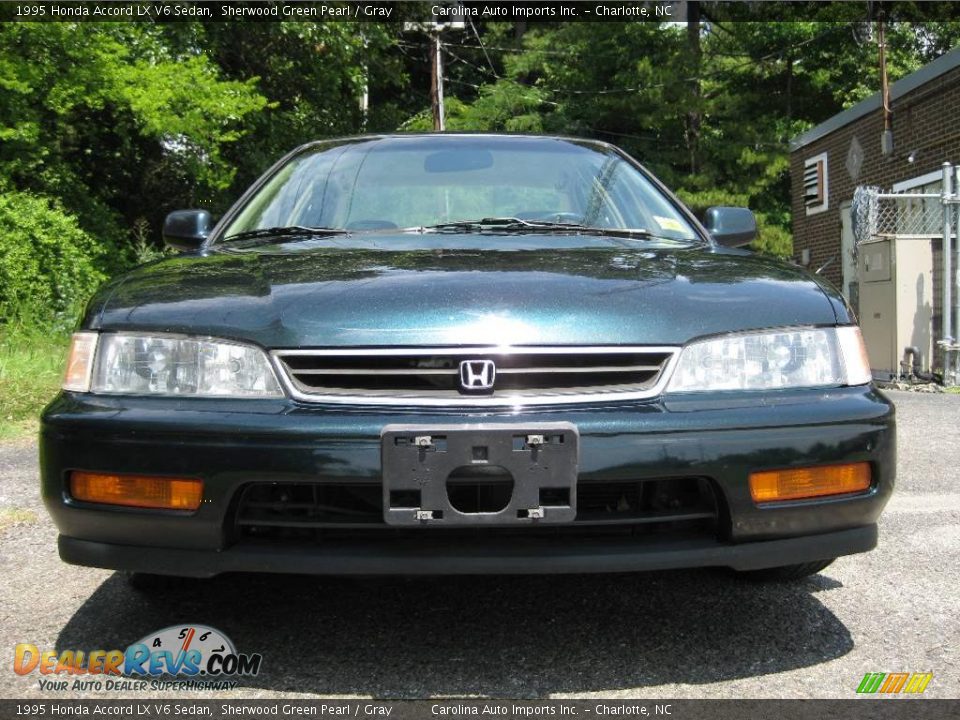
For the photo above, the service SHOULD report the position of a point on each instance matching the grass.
(31, 368)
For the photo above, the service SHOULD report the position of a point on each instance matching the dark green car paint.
(520, 290)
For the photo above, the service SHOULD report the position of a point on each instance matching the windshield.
(380, 184)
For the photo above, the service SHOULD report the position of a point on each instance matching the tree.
(114, 122)
(314, 75)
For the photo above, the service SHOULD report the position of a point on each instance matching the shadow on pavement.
(499, 636)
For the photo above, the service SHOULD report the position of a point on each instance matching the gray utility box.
(896, 301)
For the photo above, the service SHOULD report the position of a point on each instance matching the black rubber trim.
(430, 557)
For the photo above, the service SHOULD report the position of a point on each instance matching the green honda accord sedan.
(465, 354)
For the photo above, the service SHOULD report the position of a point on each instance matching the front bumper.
(231, 444)
(443, 558)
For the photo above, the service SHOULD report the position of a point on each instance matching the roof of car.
(449, 136)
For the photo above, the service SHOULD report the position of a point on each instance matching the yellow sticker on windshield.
(668, 223)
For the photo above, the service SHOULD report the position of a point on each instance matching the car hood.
(524, 291)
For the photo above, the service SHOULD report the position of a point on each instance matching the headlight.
(133, 364)
(804, 357)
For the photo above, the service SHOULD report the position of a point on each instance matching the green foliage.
(48, 265)
(115, 122)
(506, 106)
(772, 239)
(31, 368)
(144, 250)
(190, 111)
(700, 200)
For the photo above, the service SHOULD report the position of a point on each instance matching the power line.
(560, 93)
(485, 53)
(613, 91)
(476, 87)
(500, 48)
(451, 53)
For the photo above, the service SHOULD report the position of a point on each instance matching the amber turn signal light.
(144, 491)
(809, 482)
(83, 347)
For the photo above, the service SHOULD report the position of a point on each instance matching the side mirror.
(731, 226)
(187, 229)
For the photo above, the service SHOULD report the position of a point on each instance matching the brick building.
(830, 160)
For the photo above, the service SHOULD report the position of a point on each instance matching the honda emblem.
(477, 374)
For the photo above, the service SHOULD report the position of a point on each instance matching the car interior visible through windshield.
(423, 182)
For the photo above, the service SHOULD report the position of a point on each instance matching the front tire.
(786, 573)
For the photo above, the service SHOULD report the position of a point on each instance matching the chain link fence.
(877, 215)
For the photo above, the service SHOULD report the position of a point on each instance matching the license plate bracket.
(541, 458)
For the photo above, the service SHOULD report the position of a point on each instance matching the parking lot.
(658, 635)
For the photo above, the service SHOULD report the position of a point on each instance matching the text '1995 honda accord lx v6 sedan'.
(465, 354)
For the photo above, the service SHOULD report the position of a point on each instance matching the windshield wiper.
(500, 223)
(281, 234)
(546, 225)
(512, 224)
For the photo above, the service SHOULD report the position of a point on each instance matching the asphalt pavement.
(699, 634)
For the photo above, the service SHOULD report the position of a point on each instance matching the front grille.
(290, 512)
(431, 376)
(299, 505)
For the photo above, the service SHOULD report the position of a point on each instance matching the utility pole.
(434, 30)
(436, 81)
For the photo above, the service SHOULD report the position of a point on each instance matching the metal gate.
(881, 220)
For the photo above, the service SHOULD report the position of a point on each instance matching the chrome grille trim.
(657, 361)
